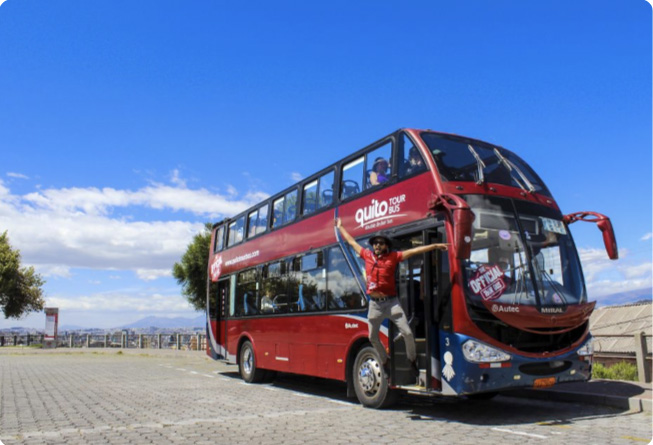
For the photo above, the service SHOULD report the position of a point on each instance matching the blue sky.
(124, 126)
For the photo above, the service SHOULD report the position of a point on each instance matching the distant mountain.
(167, 323)
(626, 297)
(70, 327)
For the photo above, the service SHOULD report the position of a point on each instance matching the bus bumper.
(461, 376)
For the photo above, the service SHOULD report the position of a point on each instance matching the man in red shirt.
(380, 266)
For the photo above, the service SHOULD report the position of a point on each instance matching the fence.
(642, 356)
(178, 341)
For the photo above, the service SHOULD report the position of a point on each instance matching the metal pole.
(640, 353)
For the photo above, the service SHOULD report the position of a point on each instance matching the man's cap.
(381, 236)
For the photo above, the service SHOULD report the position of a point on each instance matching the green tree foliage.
(192, 272)
(20, 287)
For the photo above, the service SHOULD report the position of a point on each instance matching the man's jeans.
(379, 311)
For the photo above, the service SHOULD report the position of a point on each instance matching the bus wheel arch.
(247, 366)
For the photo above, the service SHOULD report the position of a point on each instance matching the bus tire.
(247, 364)
(370, 382)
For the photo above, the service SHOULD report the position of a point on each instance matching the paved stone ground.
(177, 397)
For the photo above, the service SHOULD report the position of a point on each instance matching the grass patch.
(618, 371)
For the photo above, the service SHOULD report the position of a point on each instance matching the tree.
(192, 272)
(20, 287)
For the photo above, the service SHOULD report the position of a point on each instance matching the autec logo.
(497, 308)
(351, 325)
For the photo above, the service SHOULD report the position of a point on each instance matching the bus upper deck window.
(219, 239)
(352, 175)
(412, 160)
(290, 206)
(310, 198)
(379, 166)
(325, 190)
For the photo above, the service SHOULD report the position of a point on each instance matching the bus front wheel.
(247, 364)
(370, 382)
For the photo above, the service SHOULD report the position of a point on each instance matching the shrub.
(619, 371)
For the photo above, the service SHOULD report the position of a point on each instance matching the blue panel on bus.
(460, 376)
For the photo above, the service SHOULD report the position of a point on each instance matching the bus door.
(437, 305)
(411, 291)
(419, 293)
(219, 318)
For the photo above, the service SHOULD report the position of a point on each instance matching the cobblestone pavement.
(135, 398)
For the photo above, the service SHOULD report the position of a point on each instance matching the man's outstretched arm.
(422, 249)
(350, 239)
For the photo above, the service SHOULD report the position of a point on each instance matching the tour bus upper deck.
(453, 161)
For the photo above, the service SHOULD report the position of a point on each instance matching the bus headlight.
(478, 352)
(586, 350)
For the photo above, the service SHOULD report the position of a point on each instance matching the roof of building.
(614, 327)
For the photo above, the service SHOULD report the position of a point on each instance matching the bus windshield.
(522, 254)
(460, 159)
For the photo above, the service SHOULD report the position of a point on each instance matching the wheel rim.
(248, 361)
(369, 376)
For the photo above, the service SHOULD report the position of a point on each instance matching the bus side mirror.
(605, 226)
(609, 239)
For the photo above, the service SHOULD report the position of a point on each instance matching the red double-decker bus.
(504, 307)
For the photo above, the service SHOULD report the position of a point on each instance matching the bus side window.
(274, 294)
(342, 290)
(412, 161)
(236, 231)
(247, 294)
(312, 288)
(257, 221)
(277, 213)
(318, 193)
(219, 239)
(284, 209)
(262, 224)
(309, 198)
(378, 166)
(352, 176)
(252, 221)
(325, 190)
(290, 206)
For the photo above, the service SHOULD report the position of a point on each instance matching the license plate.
(544, 383)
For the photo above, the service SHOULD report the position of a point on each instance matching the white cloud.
(176, 179)
(153, 274)
(647, 237)
(606, 277)
(57, 230)
(17, 175)
(118, 301)
(296, 176)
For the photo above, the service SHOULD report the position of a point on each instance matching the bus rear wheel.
(247, 364)
(370, 382)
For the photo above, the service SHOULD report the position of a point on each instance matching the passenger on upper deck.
(415, 162)
(379, 174)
